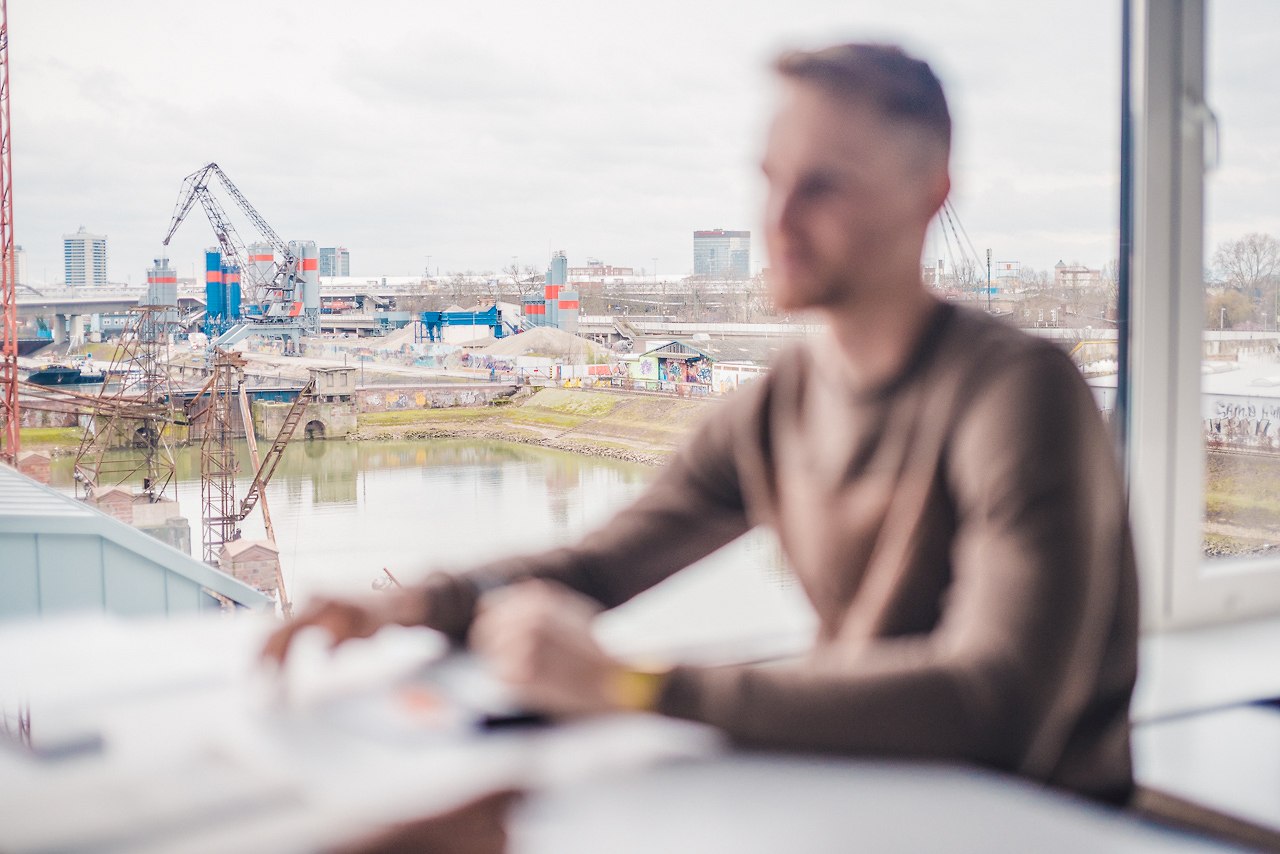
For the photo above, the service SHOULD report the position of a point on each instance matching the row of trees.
(1242, 286)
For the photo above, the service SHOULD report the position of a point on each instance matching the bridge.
(64, 308)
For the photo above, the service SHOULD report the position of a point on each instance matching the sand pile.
(548, 341)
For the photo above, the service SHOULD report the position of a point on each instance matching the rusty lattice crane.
(221, 514)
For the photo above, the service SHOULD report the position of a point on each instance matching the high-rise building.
(720, 254)
(335, 261)
(84, 258)
(20, 266)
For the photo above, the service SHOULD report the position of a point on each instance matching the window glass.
(1240, 403)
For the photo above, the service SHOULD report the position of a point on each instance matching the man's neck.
(877, 337)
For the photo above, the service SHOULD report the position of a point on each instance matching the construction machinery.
(221, 513)
(127, 435)
(278, 282)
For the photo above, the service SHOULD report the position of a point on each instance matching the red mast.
(9, 440)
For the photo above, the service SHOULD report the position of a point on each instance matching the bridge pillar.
(59, 328)
(75, 329)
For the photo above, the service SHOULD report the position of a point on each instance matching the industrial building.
(84, 258)
(162, 289)
(558, 307)
(720, 254)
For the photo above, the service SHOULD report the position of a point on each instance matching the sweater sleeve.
(1036, 558)
(694, 507)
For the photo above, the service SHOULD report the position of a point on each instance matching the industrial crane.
(221, 514)
(276, 285)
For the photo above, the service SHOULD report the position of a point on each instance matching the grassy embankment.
(639, 428)
(1242, 503)
(51, 438)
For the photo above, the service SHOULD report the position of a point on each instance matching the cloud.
(477, 132)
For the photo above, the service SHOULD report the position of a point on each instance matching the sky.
(471, 136)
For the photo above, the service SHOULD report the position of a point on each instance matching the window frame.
(1168, 120)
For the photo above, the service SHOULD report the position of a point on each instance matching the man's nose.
(780, 214)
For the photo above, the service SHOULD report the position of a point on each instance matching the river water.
(344, 510)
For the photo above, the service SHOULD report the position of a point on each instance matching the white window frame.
(1166, 456)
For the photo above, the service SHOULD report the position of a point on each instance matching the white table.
(198, 754)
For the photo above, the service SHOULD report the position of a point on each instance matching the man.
(941, 484)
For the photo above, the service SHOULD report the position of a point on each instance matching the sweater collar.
(922, 351)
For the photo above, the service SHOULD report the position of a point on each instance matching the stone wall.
(51, 417)
(335, 420)
(434, 396)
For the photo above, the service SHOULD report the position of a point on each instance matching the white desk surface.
(1196, 670)
(198, 755)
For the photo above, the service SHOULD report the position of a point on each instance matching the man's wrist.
(409, 607)
(637, 689)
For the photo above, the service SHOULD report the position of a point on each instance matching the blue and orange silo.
(215, 309)
(231, 280)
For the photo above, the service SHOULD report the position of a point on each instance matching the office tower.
(84, 258)
(335, 261)
(720, 254)
(20, 266)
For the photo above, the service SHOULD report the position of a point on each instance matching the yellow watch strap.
(638, 690)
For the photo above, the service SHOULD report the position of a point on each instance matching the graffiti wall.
(433, 397)
(1242, 422)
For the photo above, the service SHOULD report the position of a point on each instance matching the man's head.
(856, 165)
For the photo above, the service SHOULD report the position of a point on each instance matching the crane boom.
(264, 228)
(284, 274)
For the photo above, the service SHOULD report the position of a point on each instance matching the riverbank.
(644, 429)
(55, 441)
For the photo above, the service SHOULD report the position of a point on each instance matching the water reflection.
(344, 510)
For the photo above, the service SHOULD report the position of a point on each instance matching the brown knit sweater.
(961, 532)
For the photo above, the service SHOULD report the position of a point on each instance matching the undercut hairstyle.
(903, 89)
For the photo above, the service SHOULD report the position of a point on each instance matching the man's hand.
(537, 637)
(347, 619)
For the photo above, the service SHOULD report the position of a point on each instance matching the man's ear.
(940, 189)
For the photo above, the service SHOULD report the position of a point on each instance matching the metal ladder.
(276, 451)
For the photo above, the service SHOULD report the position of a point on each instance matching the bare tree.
(968, 276)
(458, 287)
(1249, 263)
(1032, 279)
(528, 279)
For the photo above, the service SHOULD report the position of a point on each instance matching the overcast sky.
(481, 132)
